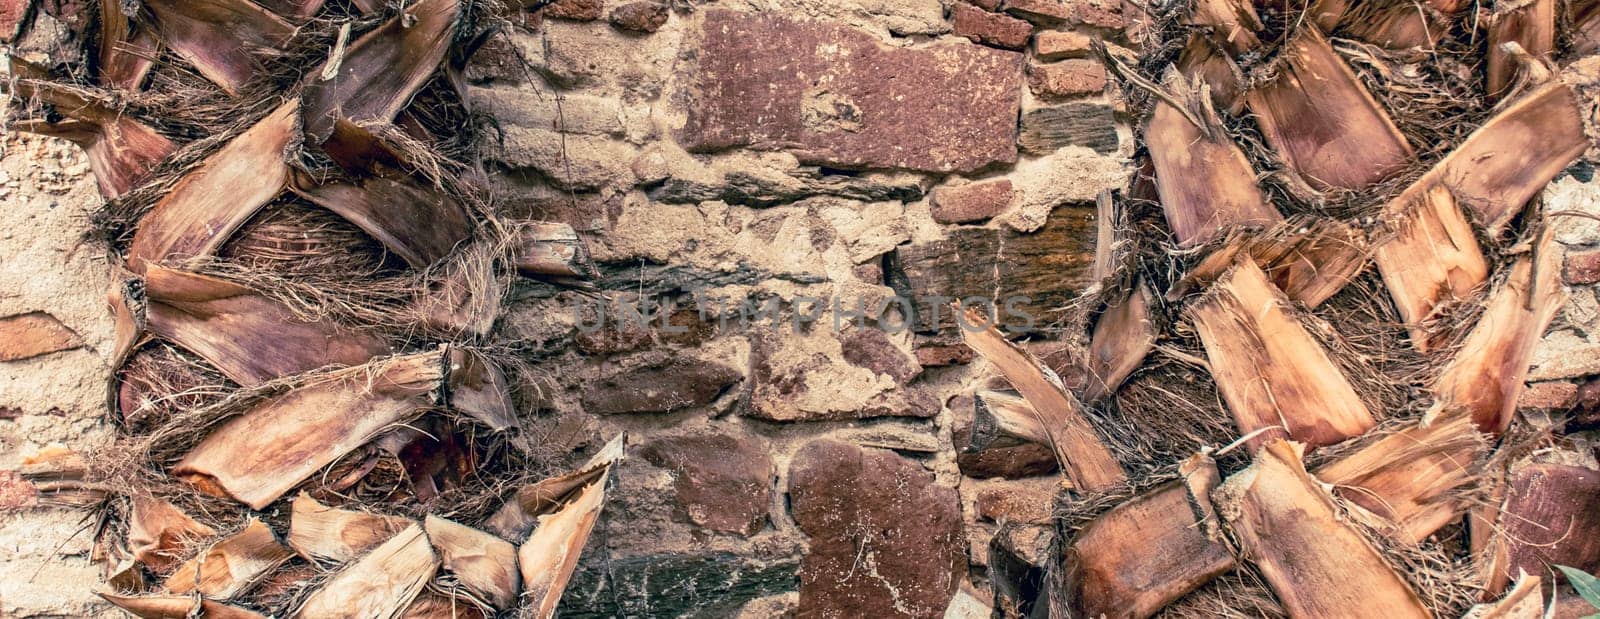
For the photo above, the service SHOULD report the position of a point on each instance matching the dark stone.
(959, 204)
(1018, 556)
(1106, 14)
(713, 584)
(722, 483)
(671, 384)
(1026, 460)
(886, 541)
(1049, 266)
(870, 348)
(639, 16)
(989, 28)
(1073, 124)
(823, 91)
(760, 191)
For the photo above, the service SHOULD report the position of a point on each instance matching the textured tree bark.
(1122, 337)
(381, 584)
(1524, 601)
(321, 533)
(231, 565)
(176, 607)
(207, 205)
(1205, 182)
(517, 517)
(259, 455)
(550, 554)
(1391, 25)
(1004, 419)
(1530, 24)
(218, 36)
(127, 50)
(1411, 480)
(1585, 27)
(121, 150)
(1270, 371)
(1430, 257)
(1323, 121)
(249, 337)
(1135, 559)
(486, 565)
(159, 533)
(1309, 259)
(380, 71)
(1087, 462)
(1316, 564)
(1486, 376)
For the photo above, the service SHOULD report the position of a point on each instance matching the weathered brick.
(818, 90)
(987, 5)
(1056, 45)
(971, 202)
(1068, 78)
(939, 355)
(577, 10)
(989, 28)
(646, 16)
(1582, 267)
(1096, 13)
(16, 492)
(1549, 395)
(33, 334)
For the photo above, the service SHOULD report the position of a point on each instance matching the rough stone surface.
(793, 378)
(884, 516)
(767, 179)
(957, 204)
(769, 82)
(940, 355)
(1028, 501)
(1048, 267)
(722, 483)
(577, 10)
(1549, 395)
(1046, 129)
(1105, 14)
(989, 28)
(33, 334)
(675, 584)
(1068, 78)
(640, 16)
(1057, 44)
(662, 386)
(1008, 462)
(1582, 267)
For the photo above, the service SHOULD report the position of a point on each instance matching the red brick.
(33, 334)
(577, 10)
(646, 16)
(16, 492)
(987, 5)
(1096, 13)
(1030, 501)
(1055, 45)
(1068, 78)
(971, 202)
(818, 90)
(1582, 267)
(988, 28)
(1549, 395)
(943, 355)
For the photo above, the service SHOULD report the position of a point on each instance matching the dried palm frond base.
(313, 420)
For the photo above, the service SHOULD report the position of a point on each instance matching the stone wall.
(759, 154)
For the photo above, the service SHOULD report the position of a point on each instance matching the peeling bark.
(1323, 122)
(520, 513)
(127, 50)
(207, 205)
(1413, 479)
(1524, 601)
(221, 38)
(247, 336)
(121, 150)
(321, 533)
(380, 585)
(1531, 24)
(232, 565)
(1271, 372)
(1310, 260)
(478, 388)
(1551, 516)
(1004, 419)
(177, 607)
(550, 554)
(1318, 566)
(1122, 337)
(381, 71)
(1086, 460)
(1430, 258)
(486, 565)
(547, 250)
(1143, 554)
(285, 439)
(1205, 182)
(1486, 376)
(159, 533)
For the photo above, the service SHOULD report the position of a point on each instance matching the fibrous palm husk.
(159, 533)
(379, 72)
(232, 565)
(1084, 457)
(1550, 516)
(221, 38)
(381, 584)
(127, 49)
(484, 564)
(1289, 527)
(321, 533)
(1269, 369)
(1528, 24)
(177, 607)
(1123, 335)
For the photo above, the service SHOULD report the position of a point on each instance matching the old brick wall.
(713, 153)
